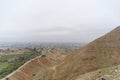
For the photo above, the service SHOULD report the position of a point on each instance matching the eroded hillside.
(101, 53)
(30, 69)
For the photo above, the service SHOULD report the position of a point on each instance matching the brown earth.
(101, 53)
(30, 68)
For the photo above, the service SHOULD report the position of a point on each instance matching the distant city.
(41, 45)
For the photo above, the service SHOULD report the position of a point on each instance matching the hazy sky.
(57, 20)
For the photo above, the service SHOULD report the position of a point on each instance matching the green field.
(3, 65)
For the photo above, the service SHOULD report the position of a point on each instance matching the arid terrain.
(15, 55)
(99, 59)
(59, 39)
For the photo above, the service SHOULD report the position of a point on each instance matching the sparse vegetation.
(102, 72)
(9, 63)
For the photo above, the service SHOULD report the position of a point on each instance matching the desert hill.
(48, 58)
(102, 53)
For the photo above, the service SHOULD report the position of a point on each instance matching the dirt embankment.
(29, 69)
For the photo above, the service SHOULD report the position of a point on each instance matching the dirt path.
(55, 70)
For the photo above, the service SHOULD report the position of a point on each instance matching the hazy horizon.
(57, 20)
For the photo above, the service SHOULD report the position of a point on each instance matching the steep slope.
(40, 63)
(101, 53)
(110, 73)
(28, 70)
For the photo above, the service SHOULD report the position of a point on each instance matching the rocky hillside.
(102, 53)
(28, 70)
(49, 57)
